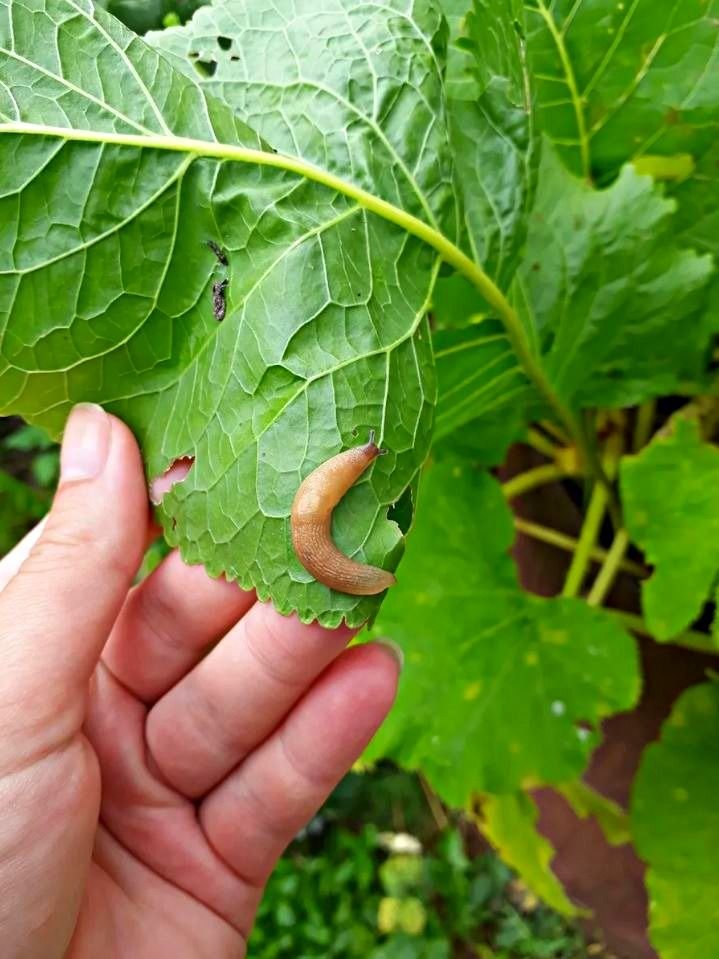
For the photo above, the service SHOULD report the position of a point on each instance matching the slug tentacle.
(311, 523)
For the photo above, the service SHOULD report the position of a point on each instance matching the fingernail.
(85, 444)
(394, 650)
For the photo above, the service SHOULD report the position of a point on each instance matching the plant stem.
(691, 638)
(449, 251)
(569, 544)
(538, 476)
(598, 502)
(549, 427)
(540, 443)
(587, 541)
(434, 803)
(611, 566)
(643, 425)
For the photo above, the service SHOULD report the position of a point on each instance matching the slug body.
(311, 523)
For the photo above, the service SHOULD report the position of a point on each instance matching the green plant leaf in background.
(477, 374)
(616, 80)
(20, 505)
(670, 494)
(492, 128)
(510, 824)
(144, 15)
(676, 828)
(106, 278)
(500, 687)
(605, 290)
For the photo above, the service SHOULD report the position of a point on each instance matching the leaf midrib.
(291, 164)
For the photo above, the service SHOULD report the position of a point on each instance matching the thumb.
(56, 613)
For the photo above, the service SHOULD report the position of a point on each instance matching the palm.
(209, 765)
(128, 911)
(161, 745)
(142, 889)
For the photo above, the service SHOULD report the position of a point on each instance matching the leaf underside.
(106, 279)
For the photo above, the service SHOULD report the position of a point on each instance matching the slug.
(311, 521)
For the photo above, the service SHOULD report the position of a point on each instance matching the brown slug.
(311, 522)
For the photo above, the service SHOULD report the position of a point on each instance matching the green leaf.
(510, 824)
(605, 290)
(138, 15)
(106, 279)
(616, 80)
(20, 506)
(670, 493)
(483, 441)
(698, 204)
(492, 128)
(144, 15)
(285, 72)
(499, 687)
(610, 816)
(477, 374)
(676, 828)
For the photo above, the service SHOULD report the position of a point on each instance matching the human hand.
(148, 786)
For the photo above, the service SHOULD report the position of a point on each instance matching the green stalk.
(544, 534)
(449, 252)
(541, 443)
(538, 476)
(599, 500)
(643, 425)
(587, 541)
(690, 639)
(610, 567)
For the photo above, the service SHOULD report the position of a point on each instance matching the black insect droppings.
(219, 304)
(218, 251)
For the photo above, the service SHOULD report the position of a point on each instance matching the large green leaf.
(477, 374)
(106, 279)
(500, 687)
(489, 117)
(605, 290)
(676, 827)
(670, 493)
(619, 79)
(492, 128)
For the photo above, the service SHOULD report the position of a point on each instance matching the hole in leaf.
(402, 511)
(206, 68)
(176, 473)
(224, 43)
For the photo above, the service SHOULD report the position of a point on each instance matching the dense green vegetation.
(461, 223)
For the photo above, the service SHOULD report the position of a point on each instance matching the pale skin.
(160, 745)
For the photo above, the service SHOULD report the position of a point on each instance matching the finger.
(151, 821)
(236, 696)
(58, 610)
(167, 623)
(256, 812)
(11, 563)
(175, 474)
